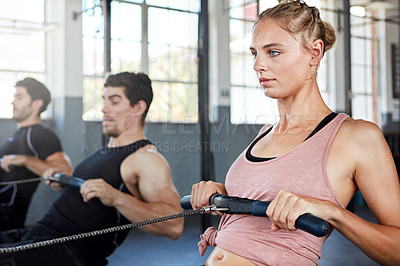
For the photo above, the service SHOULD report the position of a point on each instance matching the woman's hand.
(287, 207)
(201, 193)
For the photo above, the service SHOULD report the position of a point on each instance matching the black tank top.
(70, 215)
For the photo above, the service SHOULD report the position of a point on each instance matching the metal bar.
(107, 36)
(207, 163)
(145, 40)
(347, 56)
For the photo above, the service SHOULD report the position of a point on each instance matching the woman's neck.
(304, 108)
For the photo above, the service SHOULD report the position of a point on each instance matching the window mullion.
(145, 39)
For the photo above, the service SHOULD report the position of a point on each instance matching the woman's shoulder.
(360, 134)
(361, 128)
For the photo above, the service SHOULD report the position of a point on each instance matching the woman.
(311, 161)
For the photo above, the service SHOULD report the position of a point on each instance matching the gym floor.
(144, 249)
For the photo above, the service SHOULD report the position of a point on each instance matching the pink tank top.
(301, 171)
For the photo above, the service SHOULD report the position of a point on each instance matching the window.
(169, 57)
(364, 67)
(22, 31)
(93, 59)
(248, 103)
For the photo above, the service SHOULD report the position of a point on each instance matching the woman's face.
(282, 64)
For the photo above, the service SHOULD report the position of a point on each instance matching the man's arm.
(58, 160)
(148, 177)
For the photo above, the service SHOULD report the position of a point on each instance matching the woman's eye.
(254, 55)
(274, 53)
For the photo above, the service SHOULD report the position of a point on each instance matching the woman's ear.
(317, 52)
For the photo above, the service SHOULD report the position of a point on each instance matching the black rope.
(97, 232)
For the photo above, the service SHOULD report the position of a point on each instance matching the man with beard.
(126, 181)
(28, 153)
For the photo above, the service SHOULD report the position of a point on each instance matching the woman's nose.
(259, 64)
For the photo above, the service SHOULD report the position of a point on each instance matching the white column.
(64, 72)
(337, 83)
(219, 57)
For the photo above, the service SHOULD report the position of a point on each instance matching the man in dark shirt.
(26, 154)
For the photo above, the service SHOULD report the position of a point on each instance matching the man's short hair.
(137, 87)
(36, 90)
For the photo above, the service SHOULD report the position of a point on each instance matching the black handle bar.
(66, 180)
(11, 166)
(306, 222)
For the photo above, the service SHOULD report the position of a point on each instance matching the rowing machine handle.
(306, 222)
(185, 203)
(11, 166)
(67, 180)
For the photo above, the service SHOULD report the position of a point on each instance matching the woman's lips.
(266, 81)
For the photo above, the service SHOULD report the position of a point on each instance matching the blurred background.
(208, 104)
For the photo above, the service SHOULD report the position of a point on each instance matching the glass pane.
(361, 79)
(358, 52)
(241, 64)
(29, 10)
(358, 79)
(322, 75)
(250, 106)
(92, 21)
(265, 4)
(235, 3)
(189, 5)
(173, 102)
(172, 63)
(240, 35)
(24, 52)
(362, 107)
(93, 56)
(361, 26)
(92, 99)
(243, 10)
(159, 62)
(172, 27)
(126, 21)
(183, 102)
(7, 88)
(242, 72)
(7, 83)
(125, 56)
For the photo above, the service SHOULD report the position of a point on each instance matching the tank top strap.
(337, 122)
(319, 144)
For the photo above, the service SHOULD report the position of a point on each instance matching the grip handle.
(306, 222)
(67, 180)
(11, 166)
(185, 203)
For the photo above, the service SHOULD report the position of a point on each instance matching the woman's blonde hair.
(300, 20)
